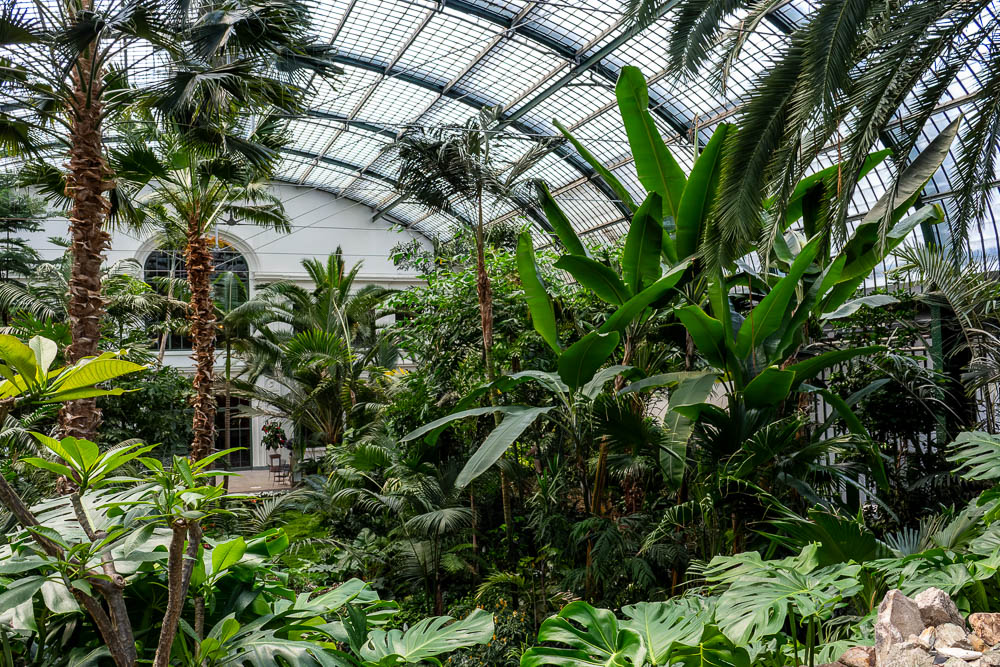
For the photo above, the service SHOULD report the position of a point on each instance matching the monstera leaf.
(662, 626)
(255, 645)
(590, 636)
(713, 650)
(427, 639)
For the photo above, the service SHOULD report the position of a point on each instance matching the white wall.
(320, 223)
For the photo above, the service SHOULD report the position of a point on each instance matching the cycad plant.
(69, 77)
(841, 79)
(195, 188)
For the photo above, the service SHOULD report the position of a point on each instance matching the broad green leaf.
(20, 590)
(656, 168)
(662, 625)
(793, 210)
(58, 599)
(88, 372)
(76, 394)
(599, 278)
(227, 554)
(706, 332)
(678, 425)
(977, 454)
(713, 650)
(854, 305)
(516, 420)
(913, 179)
(623, 194)
(19, 356)
(810, 367)
(581, 360)
(550, 381)
(560, 223)
(471, 412)
(51, 466)
(862, 253)
(767, 316)
(699, 194)
(632, 308)
(659, 381)
(543, 317)
(771, 387)
(596, 385)
(429, 638)
(641, 257)
(592, 637)
(45, 352)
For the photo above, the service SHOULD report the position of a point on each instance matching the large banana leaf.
(560, 223)
(678, 425)
(427, 639)
(623, 194)
(581, 360)
(768, 315)
(813, 365)
(632, 308)
(641, 256)
(543, 317)
(699, 193)
(599, 278)
(515, 422)
(657, 169)
(706, 332)
(770, 387)
(590, 637)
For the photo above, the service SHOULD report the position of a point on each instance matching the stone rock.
(960, 653)
(904, 655)
(978, 644)
(936, 608)
(949, 635)
(926, 638)
(991, 659)
(955, 662)
(859, 656)
(987, 626)
(898, 618)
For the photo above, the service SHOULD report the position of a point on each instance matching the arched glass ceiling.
(420, 63)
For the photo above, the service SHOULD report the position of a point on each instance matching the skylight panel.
(377, 30)
(510, 71)
(327, 16)
(396, 102)
(347, 92)
(575, 24)
(447, 46)
(572, 104)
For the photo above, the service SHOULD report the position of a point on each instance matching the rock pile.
(924, 631)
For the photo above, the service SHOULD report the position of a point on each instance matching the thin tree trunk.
(202, 321)
(175, 594)
(485, 292)
(87, 179)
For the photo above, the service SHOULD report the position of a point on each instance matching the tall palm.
(198, 189)
(318, 345)
(842, 78)
(69, 75)
(464, 170)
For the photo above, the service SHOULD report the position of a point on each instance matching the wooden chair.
(274, 465)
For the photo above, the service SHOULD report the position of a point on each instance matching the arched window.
(165, 263)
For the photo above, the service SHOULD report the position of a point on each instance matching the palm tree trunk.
(202, 320)
(485, 293)
(87, 179)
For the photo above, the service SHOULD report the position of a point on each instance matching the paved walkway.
(252, 481)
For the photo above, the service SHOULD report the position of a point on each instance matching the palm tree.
(195, 189)
(841, 78)
(460, 170)
(318, 345)
(68, 55)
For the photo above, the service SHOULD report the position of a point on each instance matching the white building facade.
(320, 223)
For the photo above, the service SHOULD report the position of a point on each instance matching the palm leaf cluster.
(853, 75)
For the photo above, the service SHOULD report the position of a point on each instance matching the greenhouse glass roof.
(411, 64)
(416, 63)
